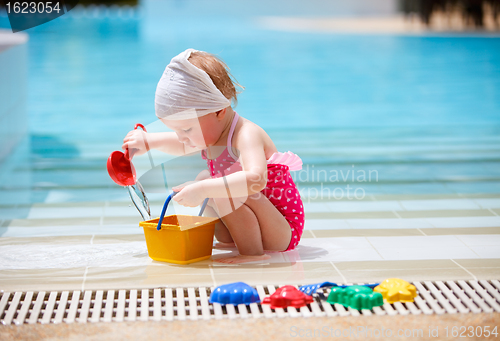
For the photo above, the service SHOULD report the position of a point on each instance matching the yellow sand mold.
(396, 290)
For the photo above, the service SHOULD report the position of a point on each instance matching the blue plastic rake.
(312, 288)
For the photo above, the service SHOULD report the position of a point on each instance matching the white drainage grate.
(192, 303)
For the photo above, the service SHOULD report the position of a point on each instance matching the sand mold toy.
(312, 288)
(396, 290)
(355, 296)
(234, 293)
(288, 296)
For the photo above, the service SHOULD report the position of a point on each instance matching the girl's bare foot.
(221, 245)
(242, 259)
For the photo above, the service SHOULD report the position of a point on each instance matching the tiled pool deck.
(99, 245)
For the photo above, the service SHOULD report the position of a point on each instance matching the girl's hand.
(135, 141)
(178, 188)
(190, 194)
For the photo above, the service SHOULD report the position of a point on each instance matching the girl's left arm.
(252, 179)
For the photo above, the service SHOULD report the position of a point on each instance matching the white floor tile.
(326, 224)
(363, 206)
(121, 211)
(444, 204)
(488, 202)
(478, 240)
(313, 253)
(388, 223)
(65, 212)
(464, 222)
(315, 207)
(339, 249)
(415, 241)
(487, 251)
(74, 256)
(339, 242)
(407, 253)
(44, 231)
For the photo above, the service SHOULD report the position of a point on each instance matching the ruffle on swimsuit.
(280, 188)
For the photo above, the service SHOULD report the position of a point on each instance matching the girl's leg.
(221, 232)
(256, 225)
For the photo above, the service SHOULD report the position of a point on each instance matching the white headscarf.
(185, 91)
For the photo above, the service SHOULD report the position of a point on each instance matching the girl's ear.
(221, 113)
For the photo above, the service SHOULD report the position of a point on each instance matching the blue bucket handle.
(165, 205)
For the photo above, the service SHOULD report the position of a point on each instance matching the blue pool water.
(423, 111)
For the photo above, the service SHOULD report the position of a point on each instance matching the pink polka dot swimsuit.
(280, 188)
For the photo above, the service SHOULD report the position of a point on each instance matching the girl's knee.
(222, 233)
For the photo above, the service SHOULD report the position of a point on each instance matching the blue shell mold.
(234, 293)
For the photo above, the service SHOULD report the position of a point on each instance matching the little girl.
(247, 179)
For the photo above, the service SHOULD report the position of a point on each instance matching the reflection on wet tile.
(70, 230)
(54, 222)
(41, 279)
(14, 213)
(276, 257)
(50, 241)
(58, 256)
(163, 274)
(119, 238)
(132, 220)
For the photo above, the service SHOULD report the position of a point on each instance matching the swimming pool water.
(424, 111)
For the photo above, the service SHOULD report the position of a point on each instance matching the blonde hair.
(219, 74)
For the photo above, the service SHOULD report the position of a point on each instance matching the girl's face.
(198, 132)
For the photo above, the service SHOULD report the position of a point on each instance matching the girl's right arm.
(139, 141)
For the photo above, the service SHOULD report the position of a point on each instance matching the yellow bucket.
(182, 239)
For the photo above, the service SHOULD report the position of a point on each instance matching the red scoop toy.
(120, 167)
(288, 296)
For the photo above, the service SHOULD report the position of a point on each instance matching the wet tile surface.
(100, 246)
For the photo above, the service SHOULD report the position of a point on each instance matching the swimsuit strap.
(229, 137)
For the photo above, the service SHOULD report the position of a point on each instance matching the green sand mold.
(356, 296)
